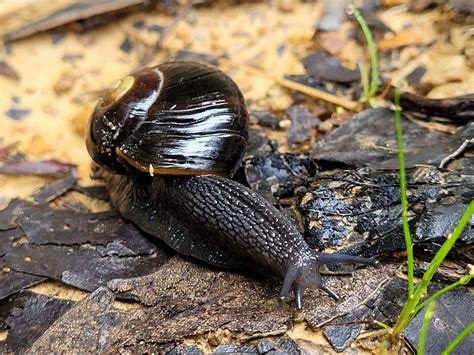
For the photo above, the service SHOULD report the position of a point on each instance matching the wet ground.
(75, 276)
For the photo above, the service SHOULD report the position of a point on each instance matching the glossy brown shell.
(179, 118)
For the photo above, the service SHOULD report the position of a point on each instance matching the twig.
(304, 89)
(432, 126)
(457, 152)
(72, 13)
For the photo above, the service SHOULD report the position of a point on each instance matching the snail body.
(166, 141)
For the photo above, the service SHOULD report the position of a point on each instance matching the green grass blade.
(410, 308)
(403, 193)
(458, 339)
(443, 251)
(424, 327)
(462, 281)
(374, 61)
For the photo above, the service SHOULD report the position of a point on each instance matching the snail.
(166, 141)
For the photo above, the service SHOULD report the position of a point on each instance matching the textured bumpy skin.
(157, 135)
(222, 223)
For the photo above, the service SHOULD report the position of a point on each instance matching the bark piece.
(27, 316)
(369, 139)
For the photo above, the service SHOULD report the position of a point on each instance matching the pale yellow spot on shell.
(120, 89)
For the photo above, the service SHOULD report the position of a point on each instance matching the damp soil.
(75, 276)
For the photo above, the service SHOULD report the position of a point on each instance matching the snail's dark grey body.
(210, 218)
(143, 138)
(223, 223)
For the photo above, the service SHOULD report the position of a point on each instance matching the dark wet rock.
(285, 345)
(236, 349)
(266, 118)
(265, 346)
(361, 208)
(93, 325)
(302, 124)
(54, 190)
(384, 305)
(341, 337)
(7, 237)
(369, 139)
(258, 145)
(80, 267)
(27, 316)
(277, 175)
(321, 65)
(453, 314)
(307, 80)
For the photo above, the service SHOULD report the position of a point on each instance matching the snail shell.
(179, 118)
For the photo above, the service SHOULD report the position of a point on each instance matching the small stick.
(433, 126)
(304, 89)
(457, 152)
(73, 13)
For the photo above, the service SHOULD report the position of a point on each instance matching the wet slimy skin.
(225, 224)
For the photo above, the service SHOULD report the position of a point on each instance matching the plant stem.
(403, 193)
(462, 281)
(374, 65)
(424, 327)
